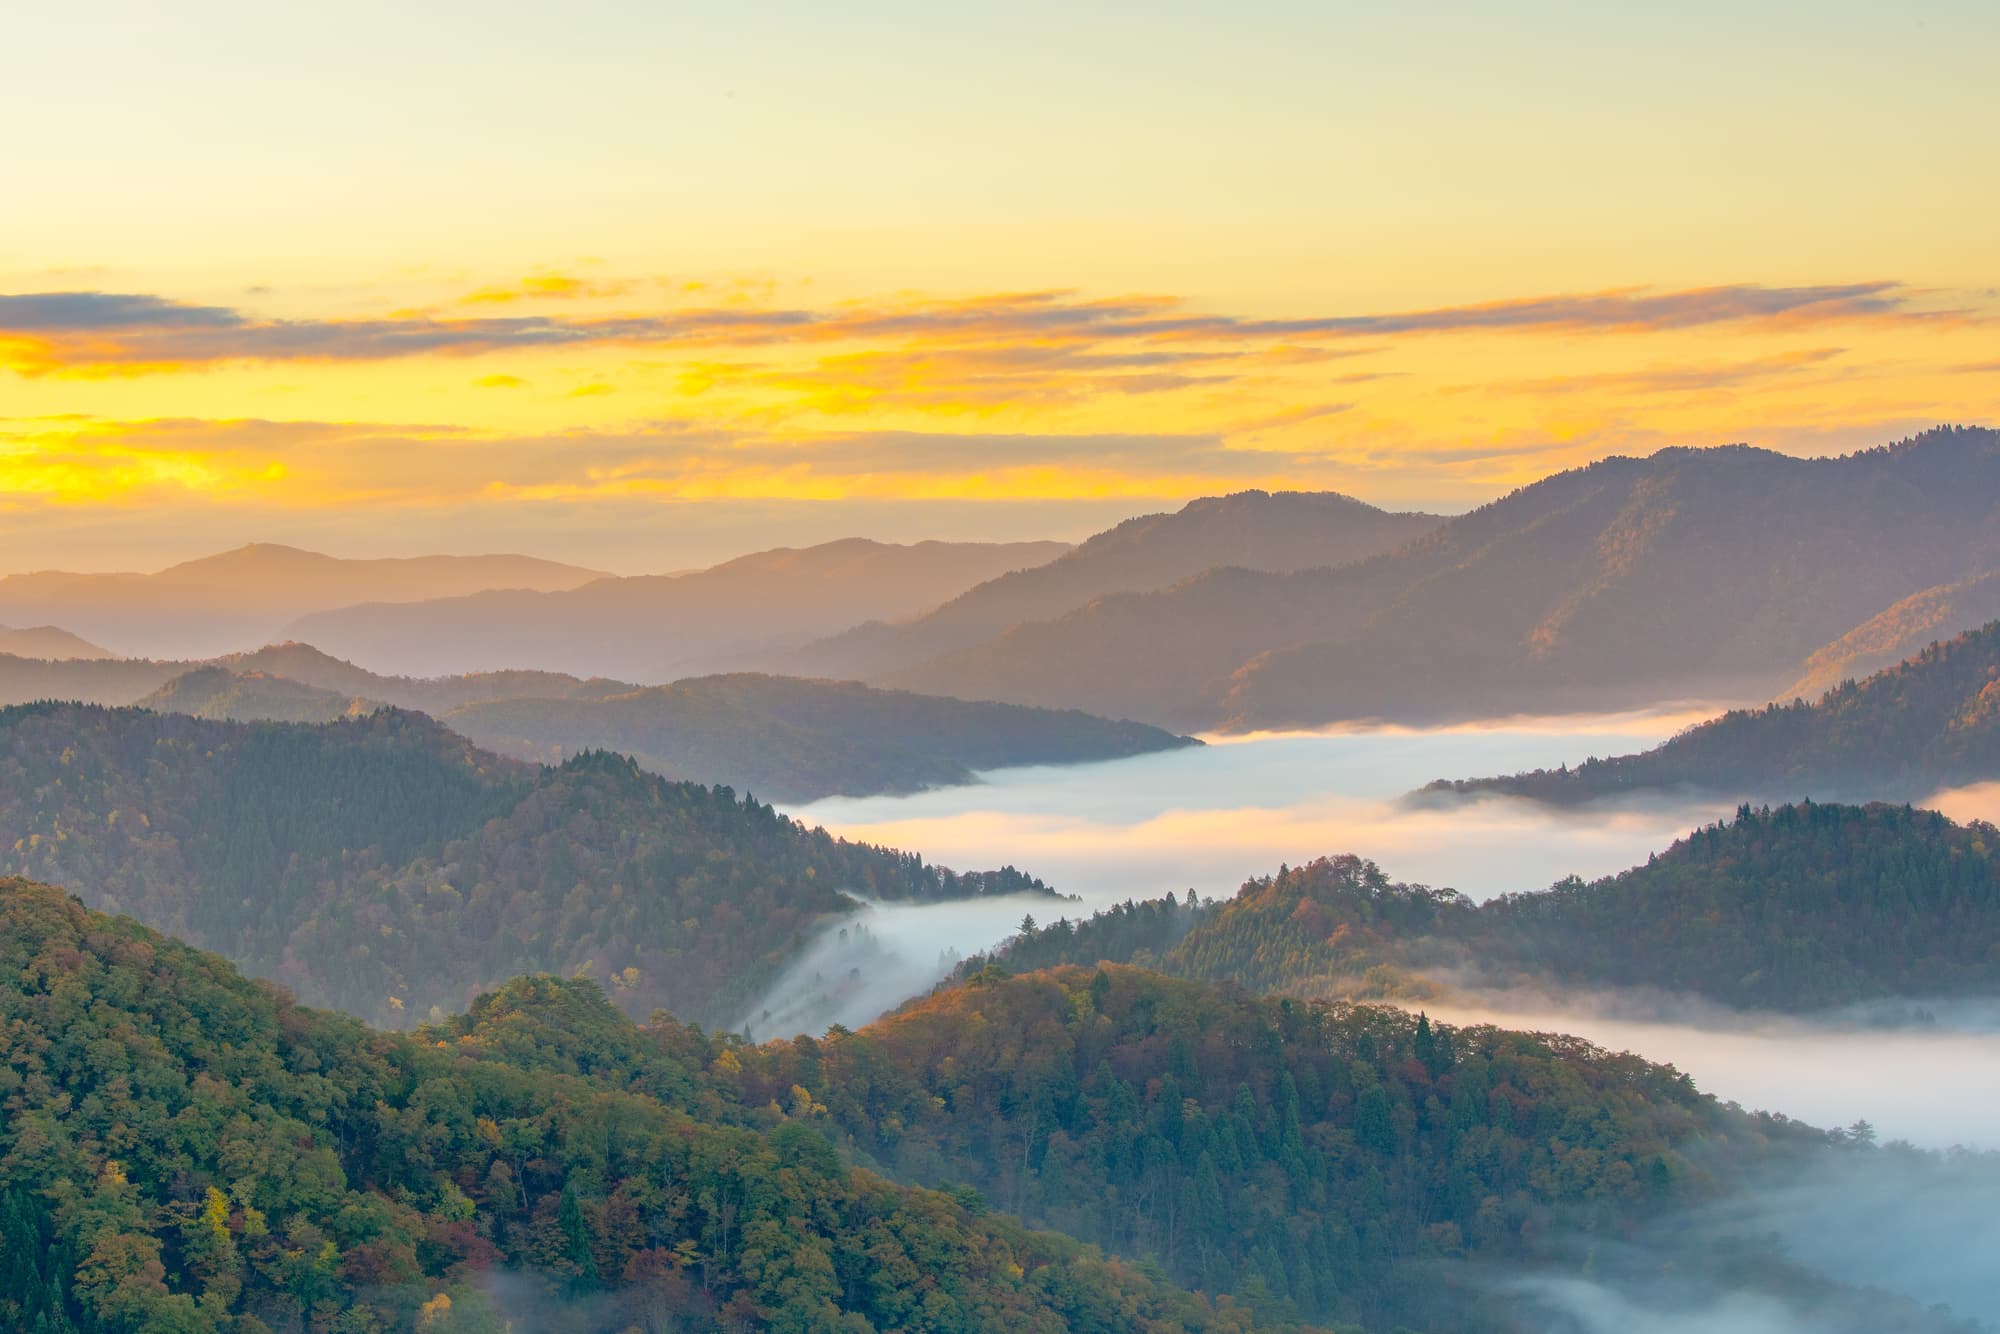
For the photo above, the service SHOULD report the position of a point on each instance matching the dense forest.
(385, 866)
(1800, 909)
(186, 1150)
(183, 1150)
(1926, 723)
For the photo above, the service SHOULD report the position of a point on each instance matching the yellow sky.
(643, 285)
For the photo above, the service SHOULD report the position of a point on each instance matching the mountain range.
(1692, 573)
(218, 604)
(1252, 530)
(788, 738)
(654, 628)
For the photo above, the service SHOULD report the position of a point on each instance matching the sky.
(648, 285)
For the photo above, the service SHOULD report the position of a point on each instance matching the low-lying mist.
(1934, 1082)
(882, 954)
(1209, 818)
(1907, 1236)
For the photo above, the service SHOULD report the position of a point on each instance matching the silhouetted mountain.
(1696, 572)
(652, 628)
(797, 740)
(1803, 908)
(1252, 530)
(385, 865)
(48, 641)
(219, 603)
(1928, 723)
(185, 1150)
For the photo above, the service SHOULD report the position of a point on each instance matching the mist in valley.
(1211, 817)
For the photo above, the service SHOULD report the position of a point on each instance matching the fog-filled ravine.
(1210, 818)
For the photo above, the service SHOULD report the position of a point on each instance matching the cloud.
(78, 331)
(77, 460)
(1702, 377)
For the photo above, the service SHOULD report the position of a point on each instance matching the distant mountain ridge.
(216, 604)
(1695, 572)
(49, 642)
(1930, 722)
(1257, 530)
(654, 628)
(784, 737)
(798, 740)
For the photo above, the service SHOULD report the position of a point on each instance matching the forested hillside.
(797, 740)
(386, 866)
(1251, 530)
(1802, 908)
(1692, 572)
(1349, 1164)
(1927, 723)
(183, 1150)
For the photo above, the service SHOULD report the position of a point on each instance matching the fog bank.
(1211, 817)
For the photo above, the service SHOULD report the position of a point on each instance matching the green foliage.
(385, 866)
(1302, 1157)
(183, 1149)
(1929, 722)
(1801, 908)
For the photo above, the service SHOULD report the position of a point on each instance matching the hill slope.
(1900, 632)
(1800, 909)
(217, 692)
(386, 866)
(1931, 722)
(798, 740)
(219, 603)
(185, 1150)
(1695, 571)
(653, 628)
(1253, 530)
(48, 641)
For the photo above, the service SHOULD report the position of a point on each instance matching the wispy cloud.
(83, 331)
(1693, 378)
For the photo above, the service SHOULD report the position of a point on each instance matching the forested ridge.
(385, 866)
(790, 738)
(185, 1150)
(1799, 908)
(1928, 722)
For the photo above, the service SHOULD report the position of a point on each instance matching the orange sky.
(649, 287)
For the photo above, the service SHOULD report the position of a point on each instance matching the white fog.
(1209, 818)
